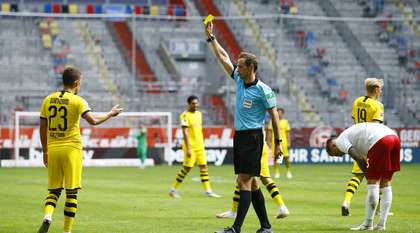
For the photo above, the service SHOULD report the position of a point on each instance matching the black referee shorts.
(247, 151)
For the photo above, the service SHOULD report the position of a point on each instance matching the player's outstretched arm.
(220, 52)
(276, 130)
(94, 119)
(361, 161)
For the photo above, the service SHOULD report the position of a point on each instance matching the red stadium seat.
(170, 10)
(138, 10)
(56, 8)
(90, 9)
(301, 38)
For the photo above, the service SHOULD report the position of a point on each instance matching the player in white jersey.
(376, 148)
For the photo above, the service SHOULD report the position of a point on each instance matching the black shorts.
(247, 151)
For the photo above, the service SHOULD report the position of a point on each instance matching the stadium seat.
(65, 8)
(309, 40)
(293, 10)
(129, 9)
(285, 9)
(90, 9)
(179, 11)
(332, 82)
(14, 7)
(98, 9)
(154, 10)
(5, 7)
(47, 41)
(301, 38)
(138, 10)
(54, 28)
(47, 8)
(43, 25)
(170, 11)
(146, 10)
(57, 8)
(314, 70)
(73, 8)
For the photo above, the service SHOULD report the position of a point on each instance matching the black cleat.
(265, 230)
(227, 230)
(345, 211)
(44, 227)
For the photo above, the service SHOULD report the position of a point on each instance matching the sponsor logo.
(320, 135)
(247, 103)
(270, 95)
(216, 156)
(410, 137)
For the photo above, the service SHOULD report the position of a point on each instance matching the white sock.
(371, 202)
(386, 202)
(48, 217)
(284, 209)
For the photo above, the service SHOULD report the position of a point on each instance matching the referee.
(253, 99)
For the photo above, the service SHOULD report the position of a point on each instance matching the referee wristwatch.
(277, 141)
(211, 38)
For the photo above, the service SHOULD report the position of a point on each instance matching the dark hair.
(328, 143)
(281, 110)
(191, 98)
(70, 75)
(249, 59)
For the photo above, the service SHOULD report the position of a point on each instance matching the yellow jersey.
(366, 109)
(63, 110)
(284, 128)
(193, 121)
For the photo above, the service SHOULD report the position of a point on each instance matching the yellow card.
(208, 19)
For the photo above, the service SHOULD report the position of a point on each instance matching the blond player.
(62, 145)
(285, 144)
(272, 188)
(365, 109)
(193, 147)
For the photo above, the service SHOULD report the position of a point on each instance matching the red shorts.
(384, 158)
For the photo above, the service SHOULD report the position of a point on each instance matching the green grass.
(118, 200)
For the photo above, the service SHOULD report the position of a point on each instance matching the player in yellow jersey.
(272, 188)
(365, 109)
(193, 147)
(285, 136)
(62, 145)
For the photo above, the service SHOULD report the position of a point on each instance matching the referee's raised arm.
(220, 52)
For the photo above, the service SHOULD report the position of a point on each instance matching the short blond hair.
(372, 83)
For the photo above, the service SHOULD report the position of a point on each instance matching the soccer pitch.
(123, 200)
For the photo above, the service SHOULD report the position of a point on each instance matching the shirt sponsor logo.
(247, 103)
